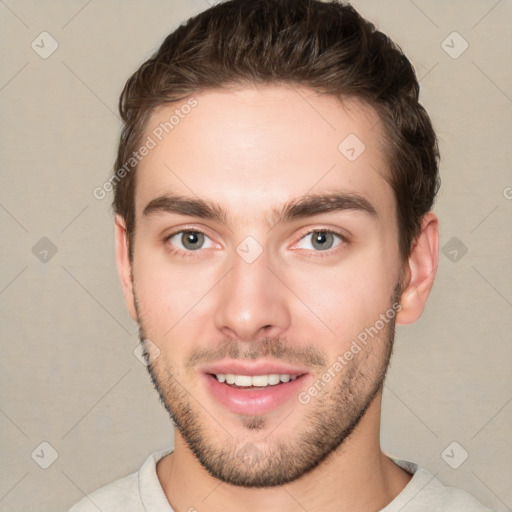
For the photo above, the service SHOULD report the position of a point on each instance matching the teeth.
(260, 380)
(273, 379)
(243, 380)
(255, 380)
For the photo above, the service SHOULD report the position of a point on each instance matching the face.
(266, 273)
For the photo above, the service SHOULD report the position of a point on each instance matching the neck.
(356, 477)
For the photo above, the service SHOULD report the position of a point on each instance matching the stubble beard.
(329, 419)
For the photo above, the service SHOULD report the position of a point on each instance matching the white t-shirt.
(142, 492)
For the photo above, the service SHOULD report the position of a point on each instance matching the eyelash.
(318, 254)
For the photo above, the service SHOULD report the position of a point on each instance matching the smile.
(254, 387)
(261, 381)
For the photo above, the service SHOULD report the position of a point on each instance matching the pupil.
(191, 240)
(321, 240)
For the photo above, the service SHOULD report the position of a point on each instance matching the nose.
(252, 301)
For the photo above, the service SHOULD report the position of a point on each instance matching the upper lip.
(251, 368)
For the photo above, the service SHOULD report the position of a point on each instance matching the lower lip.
(251, 401)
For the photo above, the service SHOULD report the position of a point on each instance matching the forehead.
(253, 149)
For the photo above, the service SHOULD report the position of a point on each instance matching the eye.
(190, 241)
(320, 240)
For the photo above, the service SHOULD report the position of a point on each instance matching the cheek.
(169, 296)
(346, 298)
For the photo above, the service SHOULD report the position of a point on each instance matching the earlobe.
(420, 271)
(124, 265)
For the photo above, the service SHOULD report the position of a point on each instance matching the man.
(273, 193)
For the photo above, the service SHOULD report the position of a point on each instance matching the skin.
(253, 150)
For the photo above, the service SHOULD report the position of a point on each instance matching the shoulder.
(451, 499)
(425, 492)
(132, 493)
(123, 494)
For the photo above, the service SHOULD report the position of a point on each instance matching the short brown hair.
(326, 46)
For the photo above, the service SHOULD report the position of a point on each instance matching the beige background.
(68, 373)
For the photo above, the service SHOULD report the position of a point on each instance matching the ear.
(124, 266)
(419, 271)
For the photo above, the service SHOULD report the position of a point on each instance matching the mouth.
(254, 381)
(253, 389)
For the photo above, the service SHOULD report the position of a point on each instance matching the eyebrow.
(298, 208)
